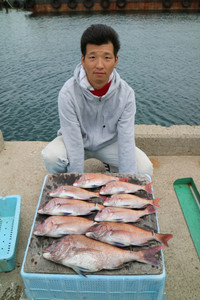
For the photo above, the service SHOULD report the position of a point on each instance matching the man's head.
(99, 46)
(99, 34)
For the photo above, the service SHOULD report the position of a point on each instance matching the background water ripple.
(159, 58)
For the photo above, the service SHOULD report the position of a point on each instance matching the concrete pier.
(174, 152)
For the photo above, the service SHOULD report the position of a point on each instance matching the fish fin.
(119, 244)
(155, 202)
(163, 238)
(119, 267)
(94, 225)
(124, 179)
(148, 255)
(119, 220)
(80, 271)
(94, 186)
(148, 188)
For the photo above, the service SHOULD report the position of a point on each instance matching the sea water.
(159, 58)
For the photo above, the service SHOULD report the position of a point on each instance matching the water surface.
(159, 58)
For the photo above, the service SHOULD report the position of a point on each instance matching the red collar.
(102, 91)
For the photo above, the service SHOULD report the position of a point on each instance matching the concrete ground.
(22, 172)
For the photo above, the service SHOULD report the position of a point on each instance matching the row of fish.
(90, 246)
(75, 207)
(118, 234)
(110, 188)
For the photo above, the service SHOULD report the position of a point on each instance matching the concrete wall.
(175, 140)
(157, 140)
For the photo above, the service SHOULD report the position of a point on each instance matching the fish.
(58, 226)
(95, 180)
(73, 207)
(117, 187)
(73, 192)
(122, 235)
(129, 201)
(85, 255)
(126, 215)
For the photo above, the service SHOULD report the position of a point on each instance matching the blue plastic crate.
(47, 286)
(9, 228)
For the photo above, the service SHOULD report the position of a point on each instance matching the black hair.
(99, 34)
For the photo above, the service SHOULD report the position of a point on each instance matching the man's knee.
(144, 164)
(55, 158)
(48, 156)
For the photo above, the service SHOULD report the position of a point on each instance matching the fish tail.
(164, 238)
(148, 255)
(124, 179)
(155, 202)
(150, 210)
(148, 188)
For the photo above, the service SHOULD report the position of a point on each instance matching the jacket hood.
(114, 84)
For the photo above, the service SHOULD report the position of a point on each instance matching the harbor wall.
(175, 140)
(157, 140)
(131, 6)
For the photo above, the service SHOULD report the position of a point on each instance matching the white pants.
(54, 156)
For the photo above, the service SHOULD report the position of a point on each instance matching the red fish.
(73, 207)
(122, 235)
(73, 192)
(130, 201)
(58, 226)
(83, 254)
(94, 180)
(124, 187)
(115, 214)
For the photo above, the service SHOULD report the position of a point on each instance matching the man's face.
(99, 63)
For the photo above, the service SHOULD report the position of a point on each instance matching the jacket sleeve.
(126, 138)
(71, 133)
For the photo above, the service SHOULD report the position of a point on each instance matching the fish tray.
(9, 228)
(44, 279)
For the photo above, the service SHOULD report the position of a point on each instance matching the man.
(97, 112)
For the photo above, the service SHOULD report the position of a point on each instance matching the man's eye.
(108, 57)
(91, 57)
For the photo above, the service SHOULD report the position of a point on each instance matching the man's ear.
(116, 61)
(83, 60)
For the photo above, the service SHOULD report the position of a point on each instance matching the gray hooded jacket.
(92, 122)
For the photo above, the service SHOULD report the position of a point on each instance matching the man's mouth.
(99, 73)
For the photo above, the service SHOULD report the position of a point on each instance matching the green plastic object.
(189, 199)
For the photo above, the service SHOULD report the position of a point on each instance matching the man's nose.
(99, 63)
